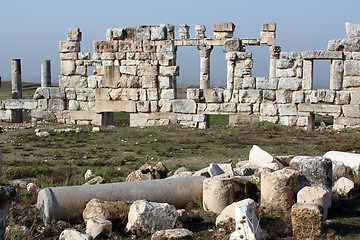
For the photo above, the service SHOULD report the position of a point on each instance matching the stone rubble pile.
(302, 191)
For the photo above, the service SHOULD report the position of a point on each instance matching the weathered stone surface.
(339, 170)
(7, 194)
(232, 45)
(290, 84)
(343, 186)
(215, 170)
(259, 156)
(184, 106)
(352, 30)
(74, 34)
(266, 83)
(277, 190)
(69, 234)
(116, 212)
(306, 220)
(351, 160)
(313, 171)
(145, 172)
(149, 217)
(315, 195)
(98, 227)
(247, 223)
(346, 45)
(224, 27)
(95, 180)
(172, 234)
(218, 192)
(226, 218)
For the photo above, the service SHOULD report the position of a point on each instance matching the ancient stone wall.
(135, 71)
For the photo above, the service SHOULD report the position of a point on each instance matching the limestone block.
(223, 35)
(167, 94)
(195, 94)
(277, 190)
(232, 45)
(352, 30)
(269, 95)
(306, 220)
(81, 70)
(105, 46)
(325, 95)
(179, 233)
(228, 107)
(215, 170)
(147, 71)
(247, 223)
(69, 56)
(29, 105)
(184, 31)
(165, 82)
(158, 33)
(153, 94)
(251, 41)
(343, 186)
(266, 83)
(149, 217)
(68, 68)
(96, 227)
(313, 171)
(224, 27)
(311, 96)
(69, 47)
(343, 97)
(170, 30)
(115, 34)
(307, 81)
(165, 105)
(249, 96)
(259, 156)
(269, 27)
(184, 117)
(290, 83)
(200, 31)
(268, 109)
(288, 120)
(213, 95)
(69, 234)
(330, 110)
(290, 55)
(285, 73)
(218, 193)
(249, 82)
(346, 45)
(351, 160)
(184, 106)
(351, 82)
(57, 93)
(284, 63)
(92, 81)
(337, 73)
(315, 195)
(322, 55)
(74, 105)
(351, 68)
(339, 170)
(56, 105)
(148, 82)
(143, 106)
(115, 106)
(169, 71)
(131, 70)
(287, 109)
(298, 97)
(74, 34)
(42, 93)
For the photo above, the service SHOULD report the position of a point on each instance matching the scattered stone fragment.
(42, 134)
(182, 169)
(343, 186)
(18, 230)
(31, 188)
(351, 160)
(215, 170)
(247, 224)
(147, 172)
(116, 212)
(313, 171)
(306, 220)
(148, 217)
(70, 234)
(183, 214)
(218, 193)
(89, 173)
(227, 168)
(161, 170)
(173, 234)
(95, 129)
(315, 195)
(202, 172)
(277, 190)
(226, 219)
(98, 227)
(338, 170)
(94, 181)
(258, 156)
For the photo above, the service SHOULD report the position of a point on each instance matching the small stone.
(215, 170)
(42, 134)
(70, 234)
(182, 169)
(98, 227)
(31, 187)
(183, 214)
(95, 129)
(343, 186)
(94, 181)
(89, 173)
(172, 234)
(259, 156)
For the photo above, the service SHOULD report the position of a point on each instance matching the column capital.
(274, 51)
(205, 50)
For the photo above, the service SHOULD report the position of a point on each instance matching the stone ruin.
(135, 72)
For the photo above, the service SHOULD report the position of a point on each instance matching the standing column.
(45, 73)
(205, 66)
(274, 55)
(16, 89)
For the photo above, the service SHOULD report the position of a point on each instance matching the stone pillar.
(7, 194)
(274, 55)
(230, 75)
(0, 81)
(16, 89)
(205, 66)
(337, 74)
(45, 73)
(218, 193)
(307, 81)
(184, 31)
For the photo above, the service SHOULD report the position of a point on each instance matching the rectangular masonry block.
(184, 106)
(269, 27)
(69, 47)
(351, 82)
(266, 83)
(224, 27)
(169, 71)
(105, 46)
(290, 83)
(352, 68)
(322, 55)
(115, 106)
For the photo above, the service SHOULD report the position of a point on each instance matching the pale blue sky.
(31, 30)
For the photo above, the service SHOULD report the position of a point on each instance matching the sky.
(31, 30)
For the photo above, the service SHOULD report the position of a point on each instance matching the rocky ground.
(63, 157)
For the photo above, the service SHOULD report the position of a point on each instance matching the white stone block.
(290, 83)
(167, 94)
(266, 83)
(351, 160)
(352, 30)
(343, 186)
(259, 156)
(315, 195)
(287, 109)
